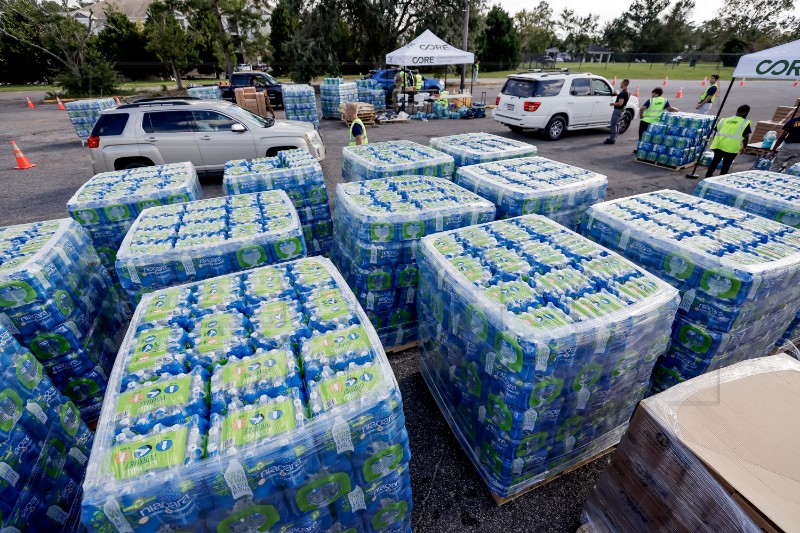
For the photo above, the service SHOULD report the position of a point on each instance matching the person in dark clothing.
(619, 107)
(790, 151)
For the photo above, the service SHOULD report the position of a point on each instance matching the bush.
(96, 78)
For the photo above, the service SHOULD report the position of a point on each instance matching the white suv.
(208, 133)
(557, 102)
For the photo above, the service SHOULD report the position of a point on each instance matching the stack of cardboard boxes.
(254, 101)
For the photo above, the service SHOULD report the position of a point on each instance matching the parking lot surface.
(448, 494)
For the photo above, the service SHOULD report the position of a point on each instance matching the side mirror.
(238, 128)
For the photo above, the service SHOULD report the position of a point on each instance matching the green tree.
(499, 44)
(70, 45)
(19, 62)
(535, 28)
(313, 48)
(169, 40)
(124, 43)
(283, 25)
(580, 31)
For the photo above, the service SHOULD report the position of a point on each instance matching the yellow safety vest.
(705, 93)
(653, 112)
(418, 80)
(364, 139)
(730, 133)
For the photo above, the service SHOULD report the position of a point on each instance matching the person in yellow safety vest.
(358, 133)
(417, 80)
(708, 96)
(733, 134)
(651, 110)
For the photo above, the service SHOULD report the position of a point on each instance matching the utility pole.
(464, 43)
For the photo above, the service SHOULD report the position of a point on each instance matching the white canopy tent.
(428, 50)
(777, 63)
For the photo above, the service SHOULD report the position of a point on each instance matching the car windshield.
(528, 88)
(245, 115)
(270, 79)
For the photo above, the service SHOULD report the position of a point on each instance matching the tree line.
(311, 38)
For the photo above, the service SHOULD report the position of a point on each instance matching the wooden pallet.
(661, 165)
(402, 347)
(499, 500)
(756, 149)
(367, 118)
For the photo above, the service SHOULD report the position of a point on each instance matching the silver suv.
(208, 133)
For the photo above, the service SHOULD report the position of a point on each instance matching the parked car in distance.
(556, 102)
(260, 80)
(385, 78)
(209, 133)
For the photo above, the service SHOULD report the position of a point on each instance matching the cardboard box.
(715, 453)
(783, 114)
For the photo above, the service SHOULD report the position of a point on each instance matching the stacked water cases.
(536, 344)
(793, 170)
(370, 92)
(300, 175)
(335, 91)
(676, 139)
(768, 194)
(300, 103)
(738, 275)
(289, 418)
(378, 224)
(535, 185)
(58, 301)
(175, 244)
(44, 446)
(207, 92)
(84, 113)
(108, 203)
(475, 148)
(394, 158)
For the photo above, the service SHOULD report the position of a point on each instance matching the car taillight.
(93, 141)
(497, 102)
(531, 106)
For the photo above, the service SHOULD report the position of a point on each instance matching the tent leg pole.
(694, 175)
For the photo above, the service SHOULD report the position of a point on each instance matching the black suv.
(260, 80)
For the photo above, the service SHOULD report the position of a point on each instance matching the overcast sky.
(704, 9)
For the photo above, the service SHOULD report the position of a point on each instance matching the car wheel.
(624, 123)
(515, 129)
(555, 128)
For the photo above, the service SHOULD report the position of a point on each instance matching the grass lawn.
(637, 71)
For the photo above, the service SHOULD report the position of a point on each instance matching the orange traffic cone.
(666, 78)
(60, 104)
(22, 161)
(614, 83)
(794, 84)
(705, 80)
(117, 99)
(636, 94)
(680, 93)
(30, 104)
(741, 83)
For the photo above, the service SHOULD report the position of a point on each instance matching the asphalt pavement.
(448, 494)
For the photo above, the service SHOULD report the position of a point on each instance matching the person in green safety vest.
(651, 110)
(708, 96)
(358, 132)
(417, 80)
(733, 134)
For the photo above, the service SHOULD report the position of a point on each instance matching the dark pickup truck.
(260, 80)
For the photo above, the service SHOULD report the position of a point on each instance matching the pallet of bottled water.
(535, 185)
(84, 113)
(768, 194)
(378, 225)
(475, 148)
(260, 401)
(536, 344)
(737, 273)
(370, 92)
(206, 92)
(180, 243)
(59, 302)
(44, 446)
(333, 92)
(676, 139)
(300, 103)
(394, 158)
(793, 170)
(299, 174)
(108, 203)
